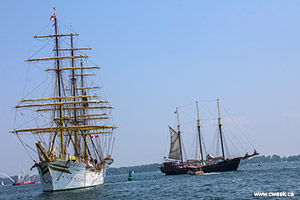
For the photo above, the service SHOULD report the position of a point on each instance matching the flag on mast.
(53, 16)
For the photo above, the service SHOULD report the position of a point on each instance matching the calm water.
(271, 177)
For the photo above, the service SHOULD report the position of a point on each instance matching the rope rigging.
(60, 126)
(237, 125)
(24, 147)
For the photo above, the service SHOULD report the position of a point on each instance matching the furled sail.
(211, 158)
(175, 151)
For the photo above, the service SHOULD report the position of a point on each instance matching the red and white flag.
(91, 136)
(96, 136)
(53, 16)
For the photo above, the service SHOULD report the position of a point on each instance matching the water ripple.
(271, 177)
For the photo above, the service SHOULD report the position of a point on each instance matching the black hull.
(173, 171)
(223, 166)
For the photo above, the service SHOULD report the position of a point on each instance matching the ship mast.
(83, 92)
(59, 89)
(70, 112)
(199, 132)
(220, 129)
(178, 127)
(73, 79)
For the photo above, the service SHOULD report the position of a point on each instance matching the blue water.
(271, 177)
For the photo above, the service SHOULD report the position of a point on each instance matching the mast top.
(219, 119)
(54, 10)
(198, 118)
(178, 126)
(54, 14)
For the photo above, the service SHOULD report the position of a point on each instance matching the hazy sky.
(157, 55)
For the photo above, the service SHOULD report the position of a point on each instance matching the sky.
(159, 55)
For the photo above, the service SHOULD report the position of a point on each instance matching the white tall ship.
(70, 121)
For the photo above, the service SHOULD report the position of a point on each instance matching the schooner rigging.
(175, 163)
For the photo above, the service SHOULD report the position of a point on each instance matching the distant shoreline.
(270, 159)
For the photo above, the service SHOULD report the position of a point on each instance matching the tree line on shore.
(273, 158)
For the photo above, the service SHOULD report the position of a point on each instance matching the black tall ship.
(175, 164)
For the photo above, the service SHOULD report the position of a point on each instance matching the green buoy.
(130, 177)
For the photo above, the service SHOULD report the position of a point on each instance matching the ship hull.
(67, 175)
(173, 170)
(223, 166)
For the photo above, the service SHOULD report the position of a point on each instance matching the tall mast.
(178, 127)
(73, 113)
(59, 89)
(84, 121)
(199, 132)
(74, 94)
(220, 129)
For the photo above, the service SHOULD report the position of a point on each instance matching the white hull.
(66, 175)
